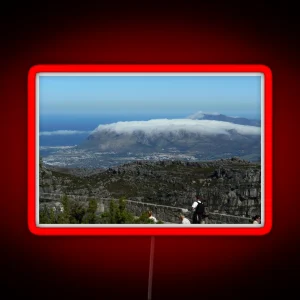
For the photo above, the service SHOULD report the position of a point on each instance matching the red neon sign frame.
(146, 231)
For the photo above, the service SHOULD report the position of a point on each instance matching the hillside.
(232, 185)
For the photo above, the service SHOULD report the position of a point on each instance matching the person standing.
(198, 210)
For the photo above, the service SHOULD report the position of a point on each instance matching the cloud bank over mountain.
(200, 115)
(177, 126)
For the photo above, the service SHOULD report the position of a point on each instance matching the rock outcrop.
(228, 186)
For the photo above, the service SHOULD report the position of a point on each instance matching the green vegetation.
(90, 215)
(41, 162)
(77, 213)
(65, 217)
(117, 214)
(74, 212)
(47, 216)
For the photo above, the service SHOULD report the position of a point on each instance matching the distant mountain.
(219, 117)
(205, 138)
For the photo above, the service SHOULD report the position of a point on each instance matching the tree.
(77, 212)
(48, 216)
(44, 218)
(117, 213)
(144, 219)
(64, 217)
(123, 216)
(90, 215)
(109, 217)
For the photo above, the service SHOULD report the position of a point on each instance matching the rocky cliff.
(230, 186)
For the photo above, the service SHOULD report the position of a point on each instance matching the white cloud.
(157, 126)
(63, 132)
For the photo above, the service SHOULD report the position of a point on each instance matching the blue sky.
(150, 95)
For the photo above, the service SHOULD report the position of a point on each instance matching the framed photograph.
(150, 150)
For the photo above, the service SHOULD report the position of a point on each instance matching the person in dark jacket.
(198, 210)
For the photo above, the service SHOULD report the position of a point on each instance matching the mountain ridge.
(200, 115)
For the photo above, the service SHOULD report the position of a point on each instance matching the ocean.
(70, 130)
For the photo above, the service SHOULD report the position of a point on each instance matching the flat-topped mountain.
(202, 138)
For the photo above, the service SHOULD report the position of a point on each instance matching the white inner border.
(37, 114)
